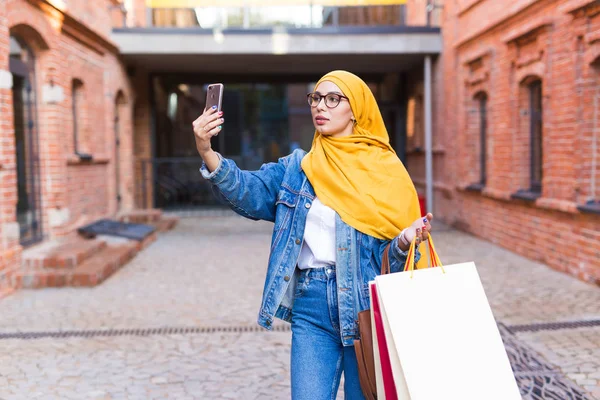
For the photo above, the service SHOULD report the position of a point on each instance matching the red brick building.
(517, 128)
(64, 98)
(516, 125)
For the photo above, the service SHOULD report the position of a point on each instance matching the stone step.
(165, 223)
(91, 272)
(151, 216)
(148, 241)
(98, 269)
(142, 216)
(67, 253)
(77, 261)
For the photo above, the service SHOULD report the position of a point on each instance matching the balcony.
(251, 14)
(292, 37)
(289, 16)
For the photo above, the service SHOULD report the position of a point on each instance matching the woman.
(335, 210)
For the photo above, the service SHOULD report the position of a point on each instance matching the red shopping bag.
(389, 385)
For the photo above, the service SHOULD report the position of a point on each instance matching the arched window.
(476, 148)
(482, 99)
(77, 108)
(536, 135)
(22, 67)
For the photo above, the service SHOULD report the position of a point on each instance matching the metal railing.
(265, 14)
(172, 184)
(313, 15)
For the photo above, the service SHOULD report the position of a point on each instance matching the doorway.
(22, 67)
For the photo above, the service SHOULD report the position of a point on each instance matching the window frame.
(76, 92)
(536, 135)
(482, 100)
(483, 128)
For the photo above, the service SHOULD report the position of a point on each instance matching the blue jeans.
(318, 356)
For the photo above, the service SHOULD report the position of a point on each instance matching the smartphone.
(214, 96)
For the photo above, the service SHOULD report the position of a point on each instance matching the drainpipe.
(428, 137)
(594, 149)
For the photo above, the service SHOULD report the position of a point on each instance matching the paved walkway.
(208, 273)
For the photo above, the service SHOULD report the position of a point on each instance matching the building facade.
(517, 123)
(66, 123)
(500, 134)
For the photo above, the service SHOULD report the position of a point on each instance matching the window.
(77, 100)
(26, 176)
(528, 161)
(172, 107)
(536, 126)
(76, 95)
(590, 153)
(482, 137)
(476, 148)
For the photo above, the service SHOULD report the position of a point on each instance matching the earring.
(353, 121)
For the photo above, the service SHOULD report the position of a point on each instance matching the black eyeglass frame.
(324, 96)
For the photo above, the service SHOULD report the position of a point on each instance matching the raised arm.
(251, 194)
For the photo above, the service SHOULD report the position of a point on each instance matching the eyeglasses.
(332, 100)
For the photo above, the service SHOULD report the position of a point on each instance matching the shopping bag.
(384, 378)
(441, 335)
(384, 351)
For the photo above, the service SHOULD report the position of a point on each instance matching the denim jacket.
(281, 193)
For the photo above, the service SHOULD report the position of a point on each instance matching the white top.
(318, 249)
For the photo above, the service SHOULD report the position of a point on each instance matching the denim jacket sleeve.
(251, 194)
(396, 256)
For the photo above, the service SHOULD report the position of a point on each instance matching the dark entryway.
(265, 120)
(26, 142)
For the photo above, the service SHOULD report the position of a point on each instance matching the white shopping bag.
(442, 337)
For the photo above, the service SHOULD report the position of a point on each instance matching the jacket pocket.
(285, 206)
(287, 197)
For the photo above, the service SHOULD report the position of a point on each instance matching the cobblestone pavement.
(209, 272)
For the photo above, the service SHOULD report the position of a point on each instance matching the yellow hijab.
(360, 176)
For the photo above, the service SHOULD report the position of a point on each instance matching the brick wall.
(69, 45)
(88, 194)
(416, 12)
(9, 247)
(97, 15)
(138, 14)
(370, 15)
(498, 49)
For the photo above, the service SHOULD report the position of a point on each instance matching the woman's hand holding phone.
(206, 126)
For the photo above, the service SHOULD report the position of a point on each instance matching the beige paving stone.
(578, 359)
(210, 272)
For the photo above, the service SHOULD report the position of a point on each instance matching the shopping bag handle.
(434, 259)
(433, 255)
